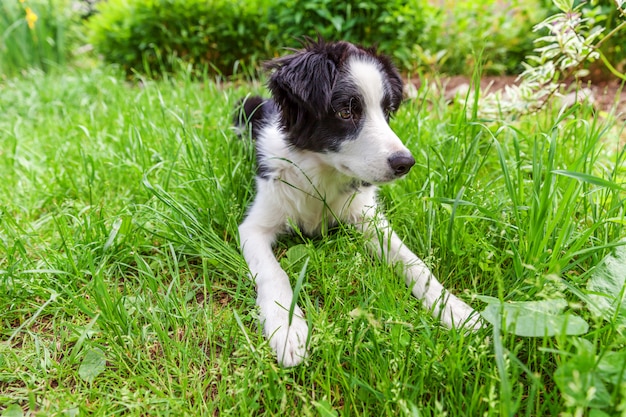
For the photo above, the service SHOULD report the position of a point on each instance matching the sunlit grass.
(119, 207)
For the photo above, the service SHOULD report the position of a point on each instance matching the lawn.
(122, 291)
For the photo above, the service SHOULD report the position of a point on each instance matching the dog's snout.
(401, 163)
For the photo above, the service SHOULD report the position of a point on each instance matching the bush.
(416, 33)
(394, 25)
(153, 35)
(604, 13)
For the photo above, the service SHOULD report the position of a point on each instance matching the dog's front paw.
(462, 316)
(473, 321)
(288, 341)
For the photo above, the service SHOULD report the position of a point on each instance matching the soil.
(606, 96)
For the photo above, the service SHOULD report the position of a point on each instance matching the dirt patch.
(606, 96)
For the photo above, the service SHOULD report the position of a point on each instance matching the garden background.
(122, 291)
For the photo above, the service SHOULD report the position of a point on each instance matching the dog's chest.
(315, 216)
(301, 189)
(312, 203)
(316, 213)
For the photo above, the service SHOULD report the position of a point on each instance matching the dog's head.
(336, 99)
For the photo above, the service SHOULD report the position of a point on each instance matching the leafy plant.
(607, 289)
(93, 364)
(156, 36)
(572, 40)
(395, 26)
(608, 14)
(587, 378)
(534, 318)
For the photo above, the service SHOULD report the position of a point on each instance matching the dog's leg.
(424, 286)
(287, 334)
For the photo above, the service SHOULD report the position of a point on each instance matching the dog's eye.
(345, 114)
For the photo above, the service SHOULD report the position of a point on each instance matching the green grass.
(33, 34)
(122, 291)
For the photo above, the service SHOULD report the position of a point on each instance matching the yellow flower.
(31, 17)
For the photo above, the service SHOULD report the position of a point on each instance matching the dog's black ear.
(303, 80)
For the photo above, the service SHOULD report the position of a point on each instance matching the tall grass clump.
(533, 211)
(32, 35)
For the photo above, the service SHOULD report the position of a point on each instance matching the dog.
(323, 145)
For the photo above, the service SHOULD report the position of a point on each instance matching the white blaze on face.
(367, 156)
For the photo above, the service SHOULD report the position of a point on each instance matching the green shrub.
(153, 35)
(604, 13)
(394, 25)
(32, 35)
(416, 33)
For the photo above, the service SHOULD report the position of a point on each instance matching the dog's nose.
(401, 163)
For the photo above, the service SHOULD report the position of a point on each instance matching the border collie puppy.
(323, 144)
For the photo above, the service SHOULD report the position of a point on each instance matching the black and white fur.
(323, 144)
